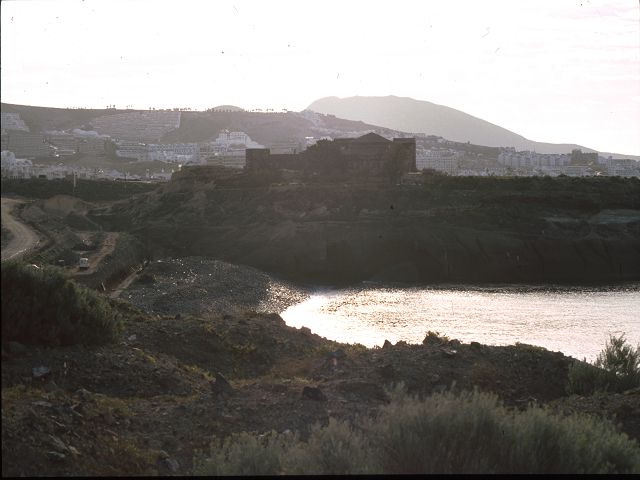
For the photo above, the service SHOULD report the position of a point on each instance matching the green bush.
(89, 190)
(333, 450)
(41, 306)
(585, 378)
(617, 368)
(622, 363)
(244, 454)
(445, 433)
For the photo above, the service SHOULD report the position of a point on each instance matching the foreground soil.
(151, 402)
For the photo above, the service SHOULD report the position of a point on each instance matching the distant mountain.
(226, 108)
(417, 116)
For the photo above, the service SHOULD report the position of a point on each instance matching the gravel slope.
(193, 285)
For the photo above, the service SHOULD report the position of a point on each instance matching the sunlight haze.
(553, 71)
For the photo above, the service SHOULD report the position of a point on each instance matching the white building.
(623, 167)
(133, 150)
(443, 160)
(183, 153)
(228, 149)
(13, 167)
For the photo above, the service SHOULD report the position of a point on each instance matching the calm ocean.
(573, 320)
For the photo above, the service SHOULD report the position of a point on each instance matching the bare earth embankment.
(23, 239)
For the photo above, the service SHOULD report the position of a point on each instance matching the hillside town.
(130, 138)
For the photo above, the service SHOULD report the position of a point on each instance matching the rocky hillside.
(46, 118)
(265, 128)
(451, 229)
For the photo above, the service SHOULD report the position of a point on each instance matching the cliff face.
(448, 230)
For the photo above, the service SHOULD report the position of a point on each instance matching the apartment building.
(132, 150)
(183, 153)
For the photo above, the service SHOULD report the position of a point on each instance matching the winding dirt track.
(24, 238)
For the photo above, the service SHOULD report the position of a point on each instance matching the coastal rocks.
(438, 234)
(146, 279)
(168, 462)
(434, 338)
(402, 272)
(361, 390)
(196, 285)
(313, 393)
(334, 362)
(16, 348)
(56, 456)
(221, 387)
(84, 394)
(305, 331)
(387, 371)
(41, 372)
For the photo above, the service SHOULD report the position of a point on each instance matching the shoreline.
(202, 285)
(576, 321)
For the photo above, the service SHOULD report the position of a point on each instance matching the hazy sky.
(553, 71)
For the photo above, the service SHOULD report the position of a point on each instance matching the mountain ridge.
(203, 125)
(421, 116)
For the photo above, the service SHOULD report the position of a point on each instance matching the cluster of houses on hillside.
(17, 138)
(12, 167)
(449, 158)
(228, 150)
(136, 136)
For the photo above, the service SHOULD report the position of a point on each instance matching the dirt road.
(24, 238)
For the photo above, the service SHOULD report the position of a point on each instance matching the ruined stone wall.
(405, 151)
(342, 157)
(260, 159)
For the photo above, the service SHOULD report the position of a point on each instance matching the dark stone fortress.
(370, 157)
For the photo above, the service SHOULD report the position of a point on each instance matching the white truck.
(83, 263)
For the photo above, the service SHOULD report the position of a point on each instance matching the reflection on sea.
(575, 321)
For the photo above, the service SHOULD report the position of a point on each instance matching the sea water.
(576, 321)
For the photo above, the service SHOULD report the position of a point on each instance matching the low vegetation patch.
(127, 255)
(41, 306)
(444, 433)
(88, 190)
